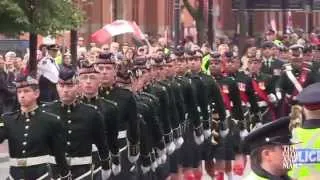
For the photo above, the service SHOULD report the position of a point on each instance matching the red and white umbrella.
(117, 27)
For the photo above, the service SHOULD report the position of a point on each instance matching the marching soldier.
(261, 85)
(82, 129)
(89, 82)
(128, 135)
(271, 151)
(160, 91)
(33, 135)
(151, 131)
(295, 76)
(229, 145)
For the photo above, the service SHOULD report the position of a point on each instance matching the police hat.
(23, 80)
(53, 47)
(296, 50)
(87, 68)
(67, 76)
(309, 97)
(105, 58)
(267, 44)
(273, 133)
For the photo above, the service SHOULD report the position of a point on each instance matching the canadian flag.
(117, 27)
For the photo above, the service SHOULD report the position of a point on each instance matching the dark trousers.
(30, 173)
(96, 166)
(129, 171)
(76, 171)
(48, 90)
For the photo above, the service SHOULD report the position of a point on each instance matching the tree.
(198, 15)
(44, 17)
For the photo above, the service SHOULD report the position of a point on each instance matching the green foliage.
(39, 16)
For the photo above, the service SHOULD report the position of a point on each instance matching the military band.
(153, 116)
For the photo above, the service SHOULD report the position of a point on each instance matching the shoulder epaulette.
(51, 114)
(111, 102)
(89, 105)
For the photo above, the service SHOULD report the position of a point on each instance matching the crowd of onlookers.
(11, 64)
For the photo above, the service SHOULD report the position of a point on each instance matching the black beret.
(67, 76)
(105, 58)
(124, 73)
(179, 51)
(23, 80)
(87, 68)
(276, 132)
(215, 56)
(229, 55)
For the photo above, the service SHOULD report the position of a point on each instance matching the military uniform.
(128, 134)
(32, 137)
(82, 130)
(109, 112)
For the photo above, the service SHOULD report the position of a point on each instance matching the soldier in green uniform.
(82, 130)
(229, 145)
(271, 152)
(151, 131)
(128, 135)
(89, 84)
(33, 135)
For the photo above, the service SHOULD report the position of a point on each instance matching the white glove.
(171, 148)
(154, 166)
(163, 158)
(105, 174)
(243, 134)
(259, 124)
(207, 133)
(224, 133)
(279, 95)
(198, 139)
(116, 169)
(178, 142)
(145, 169)
(272, 98)
(133, 159)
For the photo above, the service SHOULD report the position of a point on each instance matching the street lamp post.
(176, 22)
(33, 41)
(210, 23)
(243, 25)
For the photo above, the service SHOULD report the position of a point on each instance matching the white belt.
(122, 149)
(94, 148)
(262, 103)
(31, 161)
(122, 134)
(75, 161)
(245, 104)
(84, 175)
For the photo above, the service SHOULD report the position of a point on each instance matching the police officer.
(89, 84)
(271, 153)
(48, 71)
(307, 162)
(82, 129)
(33, 135)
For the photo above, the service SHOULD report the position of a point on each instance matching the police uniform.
(274, 133)
(128, 134)
(307, 162)
(32, 137)
(82, 130)
(49, 76)
(109, 111)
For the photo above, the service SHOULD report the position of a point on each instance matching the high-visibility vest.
(254, 176)
(205, 64)
(307, 161)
